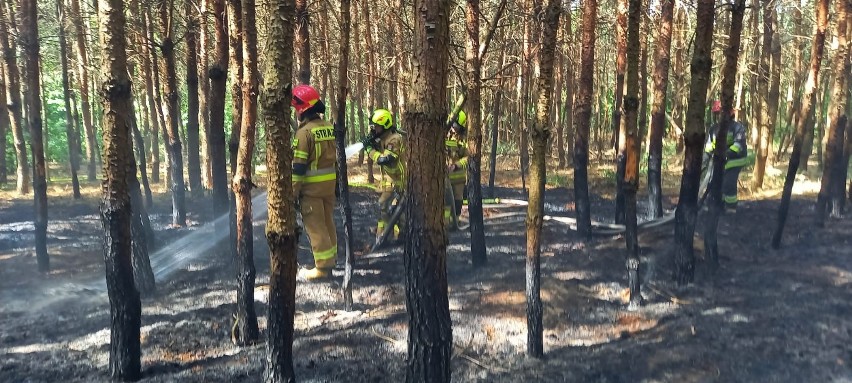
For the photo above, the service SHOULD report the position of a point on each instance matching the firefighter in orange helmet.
(314, 179)
(384, 145)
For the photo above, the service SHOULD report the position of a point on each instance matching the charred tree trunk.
(116, 211)
(619, 135)
(14, 104)
(246, 318)
(83, 87)
(340, 138)
(149, 72)
(29, 41)
(662, 58)
(430, 339)
(833, 157)
(303, 42)
(218, 83)
(729, 78)
(69, 119)
(193, 149)
(495, 124)
(204, 93)
(538, 174)
(473, 66)
(687, 206)
(168, 72)
(582, 119)
(809, 97)
(629, 125)
(774, 84)
(235, 42)
(282, 233)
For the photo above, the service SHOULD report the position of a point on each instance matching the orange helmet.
(304, 97)
(717, 106)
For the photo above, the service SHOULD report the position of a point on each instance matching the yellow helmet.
(383, 118)
(462, 119)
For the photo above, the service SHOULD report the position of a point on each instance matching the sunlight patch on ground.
(838, 276)
(569, 275)
(31, 348)
(804, 185)
(93, 340)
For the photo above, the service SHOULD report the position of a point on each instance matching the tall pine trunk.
(204, 93)
(29, 40)
(809, 97)
(303, 42)
(282, 233)
(687, 206)
(629, 126)
(764, 140)
(83, 88)
(149, 72)
(235, 73)
(430, 336)
(582, 119)
(168, 72)
(73, 160)
(116, 210)
(662, 58)
(14, 104)
(618, 133)
(246, 318)
(218, 84)
(473, 67)
(193, 149)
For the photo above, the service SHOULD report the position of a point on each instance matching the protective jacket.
(737, 152)
(388, 153)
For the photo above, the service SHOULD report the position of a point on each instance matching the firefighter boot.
(313, 275)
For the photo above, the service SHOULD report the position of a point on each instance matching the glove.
(368, 143)
(730, 154)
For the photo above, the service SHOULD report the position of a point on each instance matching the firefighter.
(314, 179)
(384, 145)
(736, 156)
(456, 147)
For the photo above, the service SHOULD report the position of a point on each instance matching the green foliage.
(558, 180)
(507, 147)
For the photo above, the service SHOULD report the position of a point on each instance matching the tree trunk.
(764, 140)
(619, 135)
(833, 158)
(246, 318)
(218, 83)
(809, 97)
(430, 339)
(774, 85)
(4, 127)
(582, 119)
(473, 66)
(729, 78)
(687, 207)
(149, 72)
(662, 58)
(69, 120)
(204, 94)
(629, 125)
(116, 211)
(29, 40)
(282, 234)
(235, 36)
(169, 74)
(303, 42)
(371, 79)
(14, 104)
(83, 87)
(193, 149)
(538, 174)
(794, 101)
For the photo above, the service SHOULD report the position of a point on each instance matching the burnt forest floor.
(764, 316)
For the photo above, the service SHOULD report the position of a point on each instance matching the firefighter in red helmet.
(314, 179)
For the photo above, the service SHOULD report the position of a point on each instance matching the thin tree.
(235, 73)
(833, 155)
(125, 306)
(29, 40)
(282, 233)
(149, 71)
(203, 69)
(4, 127)
(687, 207)
(168, 72)
(246, 317)
(539, 136)
(430, 339)
(73, 159)
(193, 160)
(662, 58)
(582, 119)
(809, 99)
(218, 83)
(629, 126)
(303, 41)
(618, 133)
(340, 138)
(83, 87)
(14, 104)
(761, 109)
(729, 78)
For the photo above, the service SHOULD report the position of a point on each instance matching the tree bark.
(687, 207)
(246, 318)
(4, 127)
(809, 97)
(193, 149)
(629, 126)
(774, 84)
(168, 72)
(218, 83)
(662, 58)
(149, 72)
(473, 66)
(430, 339)
(582, 119)
(729, 78)
(303, 42)
(538, 174)
(29, 41)
(14, 104)
(235, 36)
(125, 307)
(204, 93)
(73, 160)
(764, 140)
(282, 233)
(340, 138)
(83, 87)
(619, 135)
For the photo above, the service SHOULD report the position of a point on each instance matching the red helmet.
(304, 97)
(717, 106)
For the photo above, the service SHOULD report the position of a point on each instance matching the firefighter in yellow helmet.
(456, 147)
(385, 146)
(314, 179)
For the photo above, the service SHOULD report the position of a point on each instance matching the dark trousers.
(729, 186)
